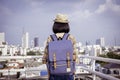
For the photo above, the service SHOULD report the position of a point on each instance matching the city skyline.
(89, 20)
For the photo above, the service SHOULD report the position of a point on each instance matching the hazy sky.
(89, 19)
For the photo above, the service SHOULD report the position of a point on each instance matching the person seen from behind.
(60, 28)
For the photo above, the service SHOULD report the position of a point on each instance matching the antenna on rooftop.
(115, 40)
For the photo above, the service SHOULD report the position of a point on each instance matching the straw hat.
(62, 18)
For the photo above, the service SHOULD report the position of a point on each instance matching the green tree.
(110, 54)
(113, 55)
(31, 53)
(0, 53)
(34, 53)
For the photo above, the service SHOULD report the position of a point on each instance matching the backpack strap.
(65, 37)
(53, 37)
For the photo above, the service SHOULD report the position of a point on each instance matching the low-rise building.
(112, 69)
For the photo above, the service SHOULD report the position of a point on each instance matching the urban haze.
(88, 19)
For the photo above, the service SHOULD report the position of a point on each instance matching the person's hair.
(61, 27)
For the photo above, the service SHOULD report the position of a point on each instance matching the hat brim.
(61, 21)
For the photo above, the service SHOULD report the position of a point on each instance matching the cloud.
(101, 9)
(109, 5)
(80, 15)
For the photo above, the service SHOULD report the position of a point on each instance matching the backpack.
(60, 55)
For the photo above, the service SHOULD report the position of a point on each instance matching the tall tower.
(25, 40)
(2, 38)
(100, 42)
(36, 42)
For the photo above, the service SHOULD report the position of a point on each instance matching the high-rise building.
(100, 42)
(36, 42)
(25, 40)
(2, 38)
(32, 43)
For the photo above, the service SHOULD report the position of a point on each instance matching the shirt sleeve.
(72, 38)
(45, 56)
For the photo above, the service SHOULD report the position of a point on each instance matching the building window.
(108, 71)
(115, 72)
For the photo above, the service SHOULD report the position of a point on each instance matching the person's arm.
(75, 53)
(44, 59)
(45, 56)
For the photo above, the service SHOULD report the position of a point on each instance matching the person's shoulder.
(71, 36)
(49, 39)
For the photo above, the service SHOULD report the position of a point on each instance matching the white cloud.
(80, 15)
(102, 8)
(109, 5)
(87, 13)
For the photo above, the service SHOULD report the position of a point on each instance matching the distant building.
(23, 51)
(3, 46)
(36, 42)
(96, 50)
(100, 42)
(12, 50)
(3, 49)
(93, 50)
(32, 43)
(2, 38)
(25, 40)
